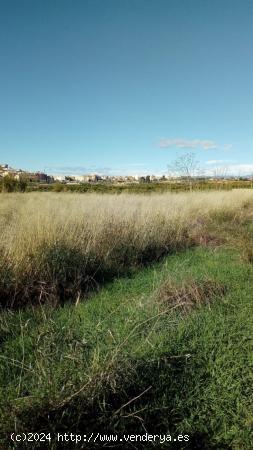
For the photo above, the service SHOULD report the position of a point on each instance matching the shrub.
(9, 184)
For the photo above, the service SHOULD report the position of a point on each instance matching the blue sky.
(125, 86)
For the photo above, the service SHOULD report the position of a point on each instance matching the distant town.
(41, 177)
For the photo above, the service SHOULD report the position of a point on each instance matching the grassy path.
(120, 363)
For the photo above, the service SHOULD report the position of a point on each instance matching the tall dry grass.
(54, 246)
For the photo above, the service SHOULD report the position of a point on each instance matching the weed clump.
(244, 243)
(189, 294)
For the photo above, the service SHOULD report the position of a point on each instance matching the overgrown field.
(57, 246)
(164, 348)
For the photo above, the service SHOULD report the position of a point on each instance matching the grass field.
(163, 347)
(57, 246)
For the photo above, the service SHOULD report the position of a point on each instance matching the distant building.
(91, 178)
(59, 178)
(39, 177)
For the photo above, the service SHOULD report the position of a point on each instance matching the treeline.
(145, 187)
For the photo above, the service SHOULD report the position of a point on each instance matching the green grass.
(75, 367)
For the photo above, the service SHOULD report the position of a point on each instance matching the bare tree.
(219, 174)
(185, 167)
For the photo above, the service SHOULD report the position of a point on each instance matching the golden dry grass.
(54, 245)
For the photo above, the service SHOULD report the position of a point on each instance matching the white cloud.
(205, 144)
(228, 166)
(240, 169)
(216, 168)
(188, 143)
(213, 162)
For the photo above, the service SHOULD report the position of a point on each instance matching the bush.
(9, 184)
